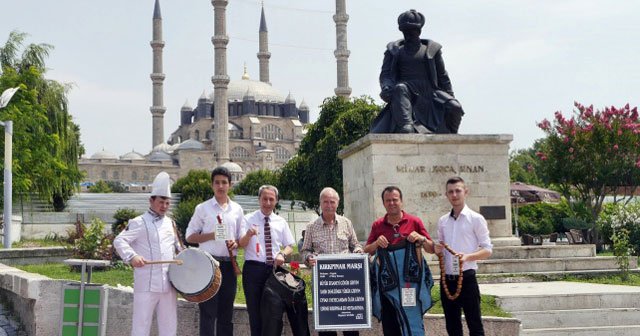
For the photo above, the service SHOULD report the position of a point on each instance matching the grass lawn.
(614, 279)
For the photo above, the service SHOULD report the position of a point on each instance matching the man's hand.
(311, 260)
(414, 236)
(137, 261)
(232, 245)
(382, 241)
(465, 257)
(438, 248)
(253, 231)
(279, 259)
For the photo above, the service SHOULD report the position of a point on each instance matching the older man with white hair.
(329, 234)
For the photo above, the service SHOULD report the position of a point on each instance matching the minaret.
(220, 80)
(157, 77)
(341, 52)
(263, 51)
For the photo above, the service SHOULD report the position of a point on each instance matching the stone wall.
(36, 299)
(420, 165)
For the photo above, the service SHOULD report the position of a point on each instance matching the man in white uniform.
(150, 237)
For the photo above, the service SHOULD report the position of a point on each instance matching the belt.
(467, 273)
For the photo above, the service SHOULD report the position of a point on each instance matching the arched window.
(116, 175)
(239, 153)
(272, 132)
(282, 153)
(103, 174)
(196, 135)
(134, 175)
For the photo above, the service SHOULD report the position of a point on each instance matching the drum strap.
(180, 245)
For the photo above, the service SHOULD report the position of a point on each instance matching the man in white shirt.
(151, 237)
(465, 232)
(216, 225)
(267, 241)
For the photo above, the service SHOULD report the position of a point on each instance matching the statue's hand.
(386, 94)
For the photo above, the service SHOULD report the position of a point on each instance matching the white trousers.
(166, 307)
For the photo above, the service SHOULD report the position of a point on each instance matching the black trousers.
(390, 325)
(216, 314)
(468, 301)
(276, 300)
(254, 276)
(335, 333)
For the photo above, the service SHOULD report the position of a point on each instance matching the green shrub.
(196, 185)
(183, 212)
(93, 243)
(539, 218)
(621, 216)
(122, 217)
(622, 251)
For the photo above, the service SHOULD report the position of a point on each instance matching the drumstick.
(175, 261)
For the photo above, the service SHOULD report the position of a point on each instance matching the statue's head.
(411, 20)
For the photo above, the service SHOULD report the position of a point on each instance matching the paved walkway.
(8, 325)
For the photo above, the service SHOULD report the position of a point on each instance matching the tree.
(252, 182)
(194, 188)
(100, 187)
(522, 166)
(317, 165)
(592, 154)
(47, 143)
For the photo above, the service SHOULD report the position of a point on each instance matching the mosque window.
(282, 153)
(134, 175)
(103, 174)
(209, 134)
(239, 153)
(196, 135)
(116, 175)
(272, 132)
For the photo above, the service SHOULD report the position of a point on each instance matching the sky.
(512, 63)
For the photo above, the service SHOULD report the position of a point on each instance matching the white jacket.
(153, 238)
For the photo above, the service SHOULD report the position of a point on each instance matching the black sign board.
(341, 295)
(493, 212)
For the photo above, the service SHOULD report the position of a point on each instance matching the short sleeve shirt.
(394, 235)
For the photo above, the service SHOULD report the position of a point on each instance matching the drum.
(198, 278)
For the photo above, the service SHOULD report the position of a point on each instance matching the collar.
(335, 220)
(402, 220)
(464, 212)
(215, 202)
(156, 216)
(262, 215)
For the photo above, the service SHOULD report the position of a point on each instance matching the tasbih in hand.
(443, 275)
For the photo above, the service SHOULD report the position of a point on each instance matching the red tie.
(267, 241)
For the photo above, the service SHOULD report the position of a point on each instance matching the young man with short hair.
(465, 232)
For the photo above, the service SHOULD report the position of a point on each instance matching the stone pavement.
(8, 325)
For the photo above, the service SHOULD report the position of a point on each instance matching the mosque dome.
(163, 147)
(159, 156)
(190, 144)
(232, 167)
(261, 91)
(133, 155)
(104, 155)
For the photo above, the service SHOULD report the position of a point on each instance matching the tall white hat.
(161, 185)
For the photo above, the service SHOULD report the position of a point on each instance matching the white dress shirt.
(280, 236)
(205, 220)
(466, 234)
(152, 237)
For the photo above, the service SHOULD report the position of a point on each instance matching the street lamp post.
(8, 175)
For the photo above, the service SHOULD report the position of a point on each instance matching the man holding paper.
(216, 226)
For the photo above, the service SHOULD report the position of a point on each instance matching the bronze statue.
(416, 85)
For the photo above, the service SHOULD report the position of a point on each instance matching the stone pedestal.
(420, 165)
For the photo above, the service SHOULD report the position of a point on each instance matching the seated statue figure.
(415, 85)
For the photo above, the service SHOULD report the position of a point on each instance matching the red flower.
(294, 265)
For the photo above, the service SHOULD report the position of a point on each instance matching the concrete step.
(578, 318)
(561, 295)
(544, 302)
(627, 330)
(537, 265)
(543, 251)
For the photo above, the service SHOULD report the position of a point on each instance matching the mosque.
(244, 125)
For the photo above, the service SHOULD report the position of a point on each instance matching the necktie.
(267, 241)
